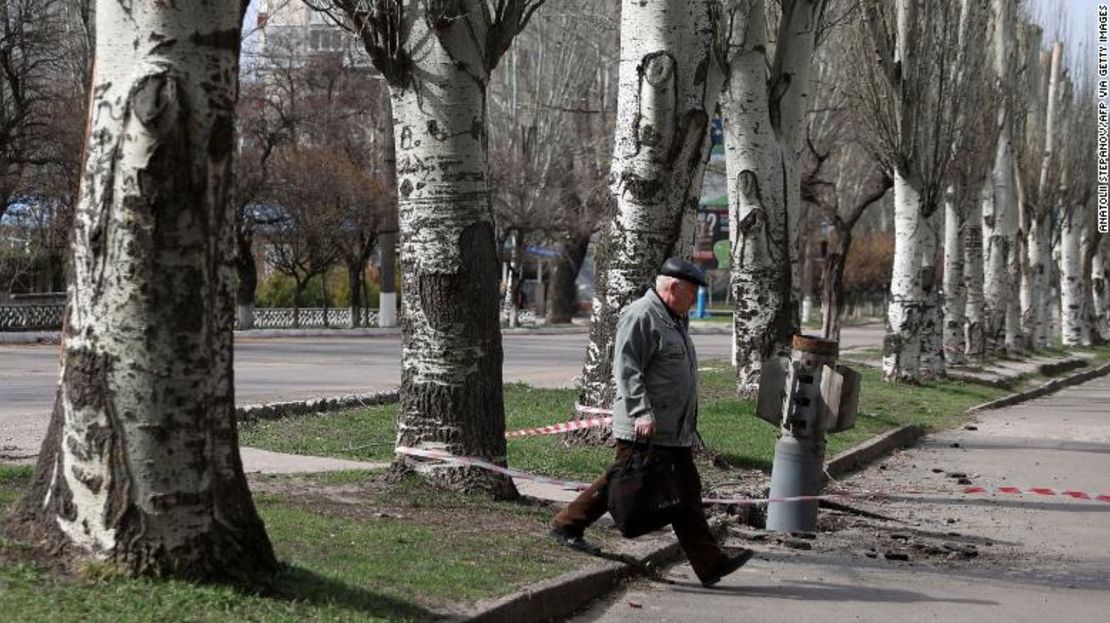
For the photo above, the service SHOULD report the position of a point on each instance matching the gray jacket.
(655, 371)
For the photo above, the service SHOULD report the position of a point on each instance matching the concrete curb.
(865, 453)
(1045, 389)
(278, 410)
(1005, 382)
(872, 449)
(559, 597)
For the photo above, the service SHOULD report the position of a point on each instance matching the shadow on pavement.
(824, 591)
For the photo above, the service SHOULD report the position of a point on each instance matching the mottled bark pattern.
(451, 357)
(669, 86)
(141, 464)
(973, 278)
(932, 337)
(955, 290)
(902, 344)
(763, 105)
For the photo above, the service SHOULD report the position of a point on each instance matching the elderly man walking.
(655, 371)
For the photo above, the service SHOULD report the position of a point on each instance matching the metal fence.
(49, 318)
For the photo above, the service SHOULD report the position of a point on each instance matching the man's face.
(683, 295)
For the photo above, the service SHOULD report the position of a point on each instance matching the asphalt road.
(282, 369)
(1038, 559)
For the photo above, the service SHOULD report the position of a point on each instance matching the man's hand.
(645, 428)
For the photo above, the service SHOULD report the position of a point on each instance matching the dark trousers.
(690, 526)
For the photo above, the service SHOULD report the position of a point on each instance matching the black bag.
(645, 493)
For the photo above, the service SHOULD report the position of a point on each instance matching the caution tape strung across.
(566, 427)
(449, 458)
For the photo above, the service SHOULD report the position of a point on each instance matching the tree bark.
(1000, 222)
(141, 462)
(932, 333)
(955, 290)
(763, 115)
(832, 282)
(1100, 290)
(669, 84)
(1075, 329)
(902, 345)
(248, 276)
(451, 353)
(563, 289)
(354, 281)
(973, 275)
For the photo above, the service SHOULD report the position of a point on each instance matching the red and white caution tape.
(564, 427)
(447, 457)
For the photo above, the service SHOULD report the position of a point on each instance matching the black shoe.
(574, 541)
(727, 566)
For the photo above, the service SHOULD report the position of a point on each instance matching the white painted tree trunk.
(999, 229)
(1075, 329)
(902, 345)
(1100, 289)
(955, 290)
(1037, 300)
(244, 313)
(1000, 224)
(451, 353)
(973, 274)
(669, 85)
(932, 332)
(763, 116)
(141, 462)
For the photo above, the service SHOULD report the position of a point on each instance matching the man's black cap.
(685, 270)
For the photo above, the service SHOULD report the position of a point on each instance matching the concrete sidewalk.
(1024, 558)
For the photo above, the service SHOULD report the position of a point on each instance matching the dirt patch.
(378, 497)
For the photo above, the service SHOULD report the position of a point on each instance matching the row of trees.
(826, 103)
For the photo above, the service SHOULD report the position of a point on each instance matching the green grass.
(429, 551)
(727, 424)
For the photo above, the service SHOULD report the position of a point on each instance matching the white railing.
(30, 317)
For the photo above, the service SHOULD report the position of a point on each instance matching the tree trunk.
(561, 304)
(1100, 291)
(1039, 313)
(669, 85)
(451, 387)
(832, 302)
(973, 275)
(955, 290)
(354, 281)
(763, 119)
(902, 345)
(141, 466)
(932, 333)
(1036, 314)
(324, 296)
(1075, 329)
(248, 276)
(1000, 223)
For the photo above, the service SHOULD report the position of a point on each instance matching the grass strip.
(727, 424)
(354, 546)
